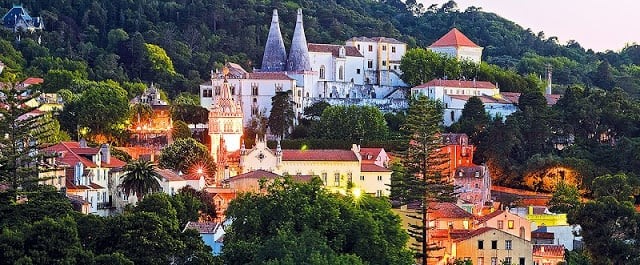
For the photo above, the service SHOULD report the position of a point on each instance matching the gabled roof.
(447, 210)
(454, 38)
(476, 232)
(202, 227)
(268, 76)
(485, 218)
(377, 39)
(457, 84)
(256, 174)
(511, 96)
(373, 168)
(374, 152)
(169, 174)
(71, 153)
(334, 49)
(548, 250)
(33, 81)
(318, 155)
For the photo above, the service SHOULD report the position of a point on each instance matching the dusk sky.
(599, 25)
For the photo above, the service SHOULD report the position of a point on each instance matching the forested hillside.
(197, 35)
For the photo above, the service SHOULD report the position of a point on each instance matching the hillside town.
(239, 139)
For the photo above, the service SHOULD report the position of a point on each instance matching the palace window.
(384, 47)
(322, 75)
(370, 48)
(393, 49)
(336, 179)
(217, 89)
(370, 64)
(362, 178)
(358, 71)
(206, 93)
(341, 73)
(254, 90)
(324, 178)
(379, 178)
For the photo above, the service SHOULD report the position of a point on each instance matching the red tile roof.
(373, 151)
(318, 155)
(511, 96)
(447, 210)
(474, 233)
(454, 38)
(542, 235)
(202, 227)
(71, 153)
(256, 174)
(548, 251)
(95, 186)
(334, 49)
(484, 218)
(458, 84)
(33, 81)
(552, 99)
(268, 76)
(168, 174)
(373, 168)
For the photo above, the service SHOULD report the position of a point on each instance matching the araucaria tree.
(19, 139)
(423, 180)
(141, 178)
(282, 114)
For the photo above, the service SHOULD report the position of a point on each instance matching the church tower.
(299, 54)
(225, 124)
(275, 55)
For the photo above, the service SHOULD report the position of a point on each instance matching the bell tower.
(225, 124)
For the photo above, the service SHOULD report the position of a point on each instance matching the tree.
(186, 154)
(310, 225)
(474, 120)
(103, 107)
(352, 123)
(282, 114)
(565, 198)
(423, 179)
(140, 178)
(314, 111)
(603, 77)
(180, 130)
(418, 66)
(20, 146)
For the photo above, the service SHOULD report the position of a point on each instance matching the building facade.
(490, 246)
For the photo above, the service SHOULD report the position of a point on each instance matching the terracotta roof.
(373, 168)
(95, 186)
(374, 152)
(552, 99)
(71, 153)
(268, 76)
(377, 39)
(169, 174)
(446, 233)
(485, 99)
(511, 96)
(256, 174)
(548, 250)
(202, 227)
(114, 163)
(476, 232)
(33, 81)
(334, 49)
(458, 84)
(447, 210)
(454, 38)
(484, 218)
(318, 155)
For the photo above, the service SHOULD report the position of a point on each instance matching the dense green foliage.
(140, 178)
(186, 154)
(351, 123)
(302, 223)
(45, 230)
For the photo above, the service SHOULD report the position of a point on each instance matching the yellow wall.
(469, 248)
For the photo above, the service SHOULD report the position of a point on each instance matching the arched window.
(522, 232)
(453, 116)
(341, 73)
(322, 72)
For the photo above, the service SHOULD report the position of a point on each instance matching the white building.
(457, 45)
(454, 94)
(382, 59)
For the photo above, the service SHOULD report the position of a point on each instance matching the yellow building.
(490, 246)
(507, 222)
(540, 216)
(336, 168)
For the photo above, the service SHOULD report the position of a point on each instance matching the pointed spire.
(299, 54)
(275, 55)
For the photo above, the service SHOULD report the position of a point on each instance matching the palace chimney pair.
(275, 56)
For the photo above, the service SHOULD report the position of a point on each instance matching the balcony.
(105, 205)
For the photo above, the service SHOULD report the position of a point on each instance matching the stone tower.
(299, 54)
(225, 124)
(275, 55)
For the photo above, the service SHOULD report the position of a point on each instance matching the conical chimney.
(275, 55)
(299, 54)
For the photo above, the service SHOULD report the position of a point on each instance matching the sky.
(595, 24)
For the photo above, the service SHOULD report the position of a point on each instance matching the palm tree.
(140, 179)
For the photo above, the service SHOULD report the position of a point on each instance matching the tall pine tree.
(282, 114)
(423, 180)
(20, 139)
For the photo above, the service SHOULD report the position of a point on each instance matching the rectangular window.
(510, 224)
(379, 178)
(393, 48)
(481, 261)
(500, 224)
(358, 71)
(337, 179)
(369, 64)
(494, 260)
(324, 178)
(378, 193)
(384, 47)
(507, 260)
(507, 244)
(480, 244)
(521, 262)
(254, 90)
(358, 47)
(349, 177)
(384, 63)
(362, 178)
(494, 244)
(370, 48)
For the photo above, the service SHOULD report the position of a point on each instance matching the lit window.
(510, 224)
